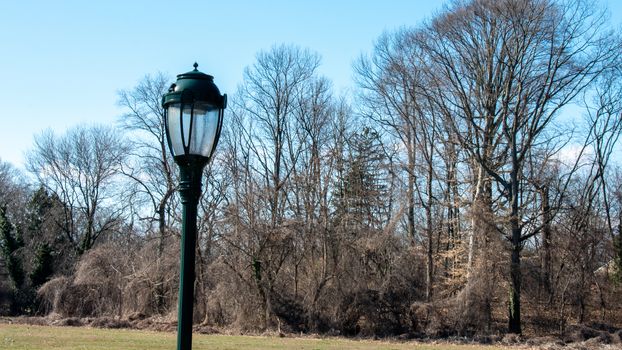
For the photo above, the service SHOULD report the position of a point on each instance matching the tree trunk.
(476, 218)
(411, 191)
(430, 257)
(428, 214)
(546, 240)
(161, 227)
(514, 323)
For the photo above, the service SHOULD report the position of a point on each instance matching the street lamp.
(193, 110)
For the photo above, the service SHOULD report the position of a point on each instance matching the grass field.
(25, 337)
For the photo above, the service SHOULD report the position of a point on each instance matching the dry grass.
(27, 337)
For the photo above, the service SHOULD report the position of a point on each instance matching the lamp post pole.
(190, 192)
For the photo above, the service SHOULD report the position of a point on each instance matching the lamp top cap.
(195, 74)
(195, 86)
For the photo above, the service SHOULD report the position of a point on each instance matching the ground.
(26, 333)
(27, 337)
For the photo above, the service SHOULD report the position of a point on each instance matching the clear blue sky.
(62, 62)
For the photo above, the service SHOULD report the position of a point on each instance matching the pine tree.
(362, 190)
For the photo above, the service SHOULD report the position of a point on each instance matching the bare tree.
(605, 120)
(151, 167)
(590, 215)
(270, 97)
(12, 184)
(390, 83)
(393, 92)
(264, 149)
(81, 168)
(309, 194)
(504, 71)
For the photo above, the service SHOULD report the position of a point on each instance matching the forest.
(470, 183)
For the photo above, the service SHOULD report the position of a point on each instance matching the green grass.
(81, 338)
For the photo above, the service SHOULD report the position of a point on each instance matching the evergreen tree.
(10, 243)
(42, 270)
(362, 190)
(44, 235)
(40, 204)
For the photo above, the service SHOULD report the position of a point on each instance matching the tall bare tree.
(504, 70)
(390, 83)
(393, 92)
(265, 115)
(270, 97)
(80, 167)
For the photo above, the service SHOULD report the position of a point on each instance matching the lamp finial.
(195, 65)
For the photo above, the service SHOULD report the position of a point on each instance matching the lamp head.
(193, 112)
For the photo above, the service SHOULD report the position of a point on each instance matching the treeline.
(468, 185)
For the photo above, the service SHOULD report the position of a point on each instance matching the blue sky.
(62, 62)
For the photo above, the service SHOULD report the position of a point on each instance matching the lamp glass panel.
(204, 129)
(186, 116)
(174, 128)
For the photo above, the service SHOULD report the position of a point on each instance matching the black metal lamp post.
(193, 110)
